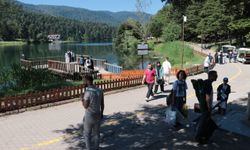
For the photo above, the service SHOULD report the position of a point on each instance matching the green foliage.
(173, 50)
(17, 23)
(213, 20)
(171, 32)
(12, 43)
(19, 80)
(209, 20)
(127, 37)
(155, 28)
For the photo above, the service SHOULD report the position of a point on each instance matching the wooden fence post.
(248, 107)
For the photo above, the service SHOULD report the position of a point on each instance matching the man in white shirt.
(166, 70)
(207, 64)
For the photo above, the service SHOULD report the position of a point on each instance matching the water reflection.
(12, 54)
(55, 46)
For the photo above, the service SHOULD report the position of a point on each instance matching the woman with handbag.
(179, 92)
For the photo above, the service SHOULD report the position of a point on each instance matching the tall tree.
(127, 37)
(213, 23)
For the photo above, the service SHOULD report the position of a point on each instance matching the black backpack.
(169, 98)
(199, 88)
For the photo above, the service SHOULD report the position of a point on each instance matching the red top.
(150, 75)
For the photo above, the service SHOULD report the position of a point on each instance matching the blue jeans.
(179, 102)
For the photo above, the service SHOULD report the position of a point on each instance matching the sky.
(110, 5)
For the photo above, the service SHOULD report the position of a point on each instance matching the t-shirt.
(207, 62)
(150, 75)
(180, 88)
(94, 96)
(166, 67)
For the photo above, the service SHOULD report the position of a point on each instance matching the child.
(223, 92)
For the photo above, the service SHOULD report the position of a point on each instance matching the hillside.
(15, 23)
(85, 15)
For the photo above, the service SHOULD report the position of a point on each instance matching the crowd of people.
(223, 58)
(85, 62)
(93, 98)
(157, 77)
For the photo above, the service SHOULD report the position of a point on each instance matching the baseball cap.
(225, 79)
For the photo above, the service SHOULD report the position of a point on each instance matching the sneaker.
(147, 98)
(151, 97)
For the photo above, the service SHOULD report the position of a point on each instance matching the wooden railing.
(39, 62)
(112, 68)
(70, 68)
(39, 98)
(102, 64)
(123, 74)
(61, 67)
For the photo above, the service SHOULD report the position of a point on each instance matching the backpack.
(169, 98)
(88, 62)
(199, 88)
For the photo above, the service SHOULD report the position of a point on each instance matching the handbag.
(170, 116)
(197, 108)
(160, 81)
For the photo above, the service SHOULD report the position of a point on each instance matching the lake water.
(11, 54)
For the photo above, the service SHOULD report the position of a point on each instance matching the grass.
(173, 50)
(12, 43)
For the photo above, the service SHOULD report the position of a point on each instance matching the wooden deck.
(71, 70)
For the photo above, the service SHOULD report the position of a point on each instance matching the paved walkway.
(130, 122)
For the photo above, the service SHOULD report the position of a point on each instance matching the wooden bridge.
(71, 70)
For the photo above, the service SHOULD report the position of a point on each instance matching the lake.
(11, 54)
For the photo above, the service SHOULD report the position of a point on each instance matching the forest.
(207, 20)
(15, 23)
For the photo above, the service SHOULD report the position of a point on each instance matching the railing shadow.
(145, 129)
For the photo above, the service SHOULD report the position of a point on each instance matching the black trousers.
(150, 89)
(156, 88)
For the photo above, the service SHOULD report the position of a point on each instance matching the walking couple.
(156, 77)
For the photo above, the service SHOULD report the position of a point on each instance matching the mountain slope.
(85, 15)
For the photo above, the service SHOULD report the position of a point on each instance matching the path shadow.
(145, 129)
(158, 97)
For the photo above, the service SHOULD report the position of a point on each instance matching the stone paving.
(130, 122)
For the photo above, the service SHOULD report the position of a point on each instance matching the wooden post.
(248, 107)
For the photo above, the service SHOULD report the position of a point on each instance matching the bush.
(18, 80)
(171, 32)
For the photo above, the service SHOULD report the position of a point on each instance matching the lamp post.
(182, 54)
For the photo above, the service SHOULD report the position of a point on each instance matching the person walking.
(93, 102)
(149, 80)
(159, 78)
(92, 63)
(223, 92)
(212, 76)
(179, 91)
(216, 59)
(88, 63)
(166, 70)
(205, 124)
(206, 64)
